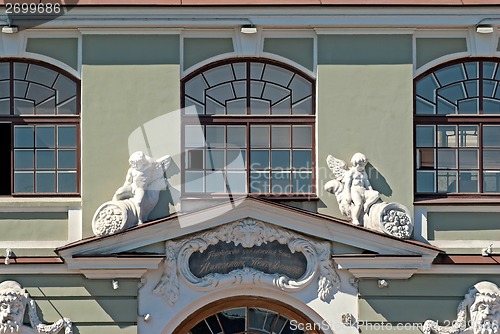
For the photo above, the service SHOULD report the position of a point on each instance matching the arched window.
(39, 129)
(248, 128)
(249, 315)
(457, 128)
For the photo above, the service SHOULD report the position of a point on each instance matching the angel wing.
(160, 166)
(338, 167)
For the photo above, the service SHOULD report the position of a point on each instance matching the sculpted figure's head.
(484, 308)
(138, 160)
(359, 161)
(13, 299)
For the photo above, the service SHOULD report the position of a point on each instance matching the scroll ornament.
(248, 233)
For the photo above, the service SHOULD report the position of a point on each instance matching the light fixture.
(147, 317)
(382, 283)
(248, 29)
(8, 254)
(115, 284)
(484, 29)
(9, 29)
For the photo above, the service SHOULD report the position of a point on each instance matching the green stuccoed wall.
(365, 105)
(62, 49)
(92, 305)
(130, 101)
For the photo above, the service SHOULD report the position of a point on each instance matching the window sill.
(271, 197)
(42, 202)
(473, 199)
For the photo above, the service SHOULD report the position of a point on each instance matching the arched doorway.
(248, 315)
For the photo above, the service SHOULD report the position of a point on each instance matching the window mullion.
(480, 158)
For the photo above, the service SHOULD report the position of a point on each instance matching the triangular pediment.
(144, 243)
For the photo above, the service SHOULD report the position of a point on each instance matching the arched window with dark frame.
(39, 129)
(457, 129)
(248, 127)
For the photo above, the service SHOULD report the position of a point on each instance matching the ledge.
(39, 202)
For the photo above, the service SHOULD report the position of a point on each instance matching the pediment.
(143, 246)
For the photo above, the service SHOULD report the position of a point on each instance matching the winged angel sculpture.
(361, 203)
(133, 202)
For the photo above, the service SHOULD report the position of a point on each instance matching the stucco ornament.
(13, 303)
(361, 203)
(248, 233)
(478, 313)
(133, 202)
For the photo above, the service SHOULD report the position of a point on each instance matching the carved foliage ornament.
(248, 233)
(13, 302)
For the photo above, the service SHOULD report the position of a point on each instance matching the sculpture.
(482, 302)
(13, 302)
(361, 203)
(133, 202)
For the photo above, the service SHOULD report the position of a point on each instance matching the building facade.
(194, 167)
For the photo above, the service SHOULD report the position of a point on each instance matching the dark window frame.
(43, 119)
(248, 120)
(479, 119)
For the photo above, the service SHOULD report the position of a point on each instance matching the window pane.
(259, 159)
(301, 88)
(302, 182)
(281, 182)
(302, 159)
(277, 74)
(447, 182)
(274, 93)
(215, 136)
(240, 88)
(425, 136)
(468, 158)
(213, 107)
(426, 88)
(472, 69)
(194, 159)
(280, 136)
(66, 88)
(66, 136)
(491, 135)
(468, 135)
(45, 136)
(259, 107)
(46, 159)
(221, 93)
(468, 182)
(193, 182)
(491, 181)
(41, 75)
(450, 74)
(233, 321)
(237, 182)
(193, 136)
(453, 92)
(256, 70)
(24, 159)
(447, 159)
(303, 107)
(24, 136)
(215, 182)
(236, 136)
(236, 159)
(66, 159)
(426, 158)
(280, 159)
(24, 107)
(426, 181)
(219, 74)
(259, 136)
(491, 106)
(215, 159)
(5, 107)
(259, 182)
(468, 107)
(24, 182)
(257, 318)
(66, 182)
(196, 87)
(447, 135)
(302, 136)
(236, 107)
(491, 159)
(45, 182)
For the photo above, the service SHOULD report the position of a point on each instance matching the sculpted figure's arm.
(367, 183)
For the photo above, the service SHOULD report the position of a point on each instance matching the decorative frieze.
(248, 252)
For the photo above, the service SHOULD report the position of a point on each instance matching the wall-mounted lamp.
(115, 284)
(382, 283)
(10, 29)
(8, 254)
(484, 29)
(248, 29)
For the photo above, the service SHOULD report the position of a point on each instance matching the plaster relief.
(255, 256)
(13, 303)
